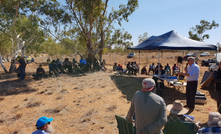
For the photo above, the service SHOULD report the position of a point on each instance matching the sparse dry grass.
(112, 107)
(17, 116)
(90, 104)
(33, 103)
(56, 109)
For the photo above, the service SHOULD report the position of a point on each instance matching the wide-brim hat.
(148, 84)
(177, 108)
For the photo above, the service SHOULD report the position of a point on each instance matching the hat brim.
(147, 89)
(177, 112)
(50, 119)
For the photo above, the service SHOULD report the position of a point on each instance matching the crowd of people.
(56, 67)
(149, 110)
(133, 68)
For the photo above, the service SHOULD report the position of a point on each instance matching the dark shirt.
(39, 70)
(22, 63)
(162, 71)
(217, 78)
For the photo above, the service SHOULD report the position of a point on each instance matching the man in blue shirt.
(44, 126)
(192, 74)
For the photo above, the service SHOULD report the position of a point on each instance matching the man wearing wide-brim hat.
(149, 109)
(177, 112)
(214, 124)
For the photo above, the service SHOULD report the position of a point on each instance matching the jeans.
(22, 75)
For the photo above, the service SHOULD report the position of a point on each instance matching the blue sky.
(160, 16)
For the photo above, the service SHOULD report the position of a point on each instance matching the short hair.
(191, 58)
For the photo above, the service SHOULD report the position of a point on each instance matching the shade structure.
(172, 41)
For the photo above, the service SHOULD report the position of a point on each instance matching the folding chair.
(125, 127)
(179, 128)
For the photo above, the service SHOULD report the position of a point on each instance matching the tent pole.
(159, 70)
(216, 56)
(159, 65)
(139, 63)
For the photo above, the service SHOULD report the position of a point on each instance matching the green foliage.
(90, 25)
(197, 32)
(52, 48)
(5, 45)
(142, 38)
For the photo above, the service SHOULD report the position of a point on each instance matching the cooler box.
(200, 99)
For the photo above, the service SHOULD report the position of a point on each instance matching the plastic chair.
(125, 127)
(179, 128)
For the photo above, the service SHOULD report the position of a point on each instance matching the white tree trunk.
(2, 64)
(23, 52)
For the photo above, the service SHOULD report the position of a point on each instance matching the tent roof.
(172, 41)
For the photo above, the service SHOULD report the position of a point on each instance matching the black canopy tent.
(171, 41)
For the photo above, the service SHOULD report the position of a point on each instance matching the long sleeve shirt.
(150, 112)
(193, 70)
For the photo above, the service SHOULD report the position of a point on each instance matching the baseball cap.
(43, 120)
(148, 84)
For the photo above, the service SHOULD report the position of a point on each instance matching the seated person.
(161, 70)
(144, 70)
(103, 68)
(96, 64)
(177, 112)
(40, 72)
(83, 64)
(136, 68)
(214, 124)
(167, 67)
(152, 68)
(53, 68)
(175, 68)
(67, 65)
(115, 67)
(32, 60)
(120, 69)
(128, 67)
(48, 60)
(203, 63)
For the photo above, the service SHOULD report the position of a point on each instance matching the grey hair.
(191, 58)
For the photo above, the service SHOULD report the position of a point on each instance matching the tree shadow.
(129, 85)
(5, 76)
(13, 87)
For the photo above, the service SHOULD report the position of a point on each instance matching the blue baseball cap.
(43, 120)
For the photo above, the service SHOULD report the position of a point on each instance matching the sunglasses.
(48, 123)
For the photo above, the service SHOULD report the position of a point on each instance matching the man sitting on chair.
(177, 112)
(214, 124)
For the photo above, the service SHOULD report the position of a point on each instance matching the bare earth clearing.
(85, 103)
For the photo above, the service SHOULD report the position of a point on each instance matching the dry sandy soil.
(85, 103)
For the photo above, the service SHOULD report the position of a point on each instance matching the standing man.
(149, 109)
(22, 65)
(44, 126)
(217, 79)
(192, 73)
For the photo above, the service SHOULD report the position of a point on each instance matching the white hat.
(148, 84)
(177, 108)
(214, 117)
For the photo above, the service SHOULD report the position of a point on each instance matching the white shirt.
(40, 132)
(193, 70)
